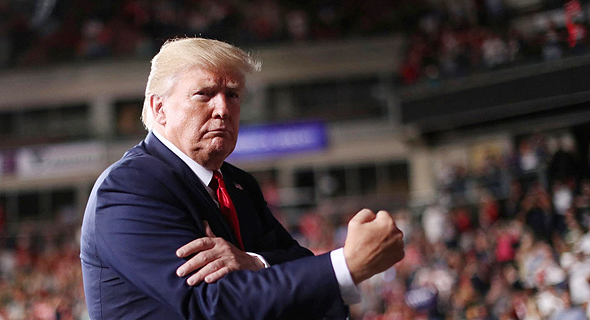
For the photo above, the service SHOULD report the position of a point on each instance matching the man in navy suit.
(155, 244)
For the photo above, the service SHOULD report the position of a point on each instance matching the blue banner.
(279, 139)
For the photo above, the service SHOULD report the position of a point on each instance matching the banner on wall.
(280, 139)
(60, 160)
(8, 163)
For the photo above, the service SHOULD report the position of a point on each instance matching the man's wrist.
(260, 258)
(348, 289)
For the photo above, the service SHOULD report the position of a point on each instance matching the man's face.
(201, 114)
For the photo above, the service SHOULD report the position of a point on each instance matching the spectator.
(434, 223)
(569, 311)
(552, 46)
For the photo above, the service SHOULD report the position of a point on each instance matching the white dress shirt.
(349, 291)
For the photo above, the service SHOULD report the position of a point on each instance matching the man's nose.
(220, 107)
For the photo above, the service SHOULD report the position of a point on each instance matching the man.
(174, 187)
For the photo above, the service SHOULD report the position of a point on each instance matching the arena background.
(468, 120)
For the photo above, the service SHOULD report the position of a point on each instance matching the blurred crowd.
(40, 274)
(44, 31)
(507, 240)
(446, 38)
(463, 37)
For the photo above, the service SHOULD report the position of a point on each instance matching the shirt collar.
(205, 175)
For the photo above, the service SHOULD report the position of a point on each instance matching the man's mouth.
(219, 131)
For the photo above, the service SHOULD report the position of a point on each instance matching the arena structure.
(464, 134)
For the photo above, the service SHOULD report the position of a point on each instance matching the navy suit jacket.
(150, 203)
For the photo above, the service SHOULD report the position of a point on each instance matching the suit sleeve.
(281, 246)
(290, 247)
(139, 226)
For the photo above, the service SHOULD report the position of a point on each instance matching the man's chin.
(220, 152)
(220, 144)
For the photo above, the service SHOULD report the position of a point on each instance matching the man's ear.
(157, 106)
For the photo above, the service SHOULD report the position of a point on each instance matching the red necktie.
(226, 205)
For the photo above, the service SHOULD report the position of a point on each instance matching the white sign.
(60, 160)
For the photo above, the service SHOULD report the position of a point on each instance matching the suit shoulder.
(139, 159)
(138, 167)
(238, 174)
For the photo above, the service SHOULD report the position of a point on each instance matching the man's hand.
(215, 257)
(373, 244)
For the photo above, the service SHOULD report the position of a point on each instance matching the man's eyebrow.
(234, 84)
(204, 85)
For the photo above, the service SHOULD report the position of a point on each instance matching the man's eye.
(232, 95)
(202, 94)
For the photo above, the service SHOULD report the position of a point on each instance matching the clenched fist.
(373, 244)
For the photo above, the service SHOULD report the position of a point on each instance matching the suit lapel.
(203, 206)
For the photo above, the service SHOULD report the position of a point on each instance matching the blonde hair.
(178, 55)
